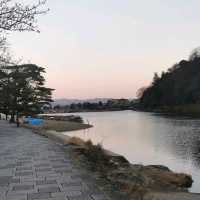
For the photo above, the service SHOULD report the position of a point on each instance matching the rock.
(159, 167)
(163, 178)
(116, 158)
(186, 181)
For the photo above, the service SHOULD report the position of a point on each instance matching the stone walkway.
(33, 167)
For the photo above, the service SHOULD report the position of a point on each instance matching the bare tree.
(15, 16)
(18, 17)
(195, 54)
(140, 92)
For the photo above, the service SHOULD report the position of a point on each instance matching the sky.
(108, 48)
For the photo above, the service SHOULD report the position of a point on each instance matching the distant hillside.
(180, 85)
(63, 102)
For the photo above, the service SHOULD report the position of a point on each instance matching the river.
(147, 138)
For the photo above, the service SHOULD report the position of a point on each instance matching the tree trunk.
(12, 119)
(17, 120)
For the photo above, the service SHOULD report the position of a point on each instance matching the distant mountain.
(63, 102)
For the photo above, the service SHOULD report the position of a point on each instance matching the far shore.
(87, 111)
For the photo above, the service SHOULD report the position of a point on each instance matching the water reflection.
(148, 139)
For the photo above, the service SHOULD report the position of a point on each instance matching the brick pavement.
(33, 167)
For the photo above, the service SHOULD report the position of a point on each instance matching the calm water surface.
(147, 138)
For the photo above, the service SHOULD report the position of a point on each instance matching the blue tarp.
(33, 121)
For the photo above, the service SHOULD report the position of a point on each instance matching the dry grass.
(60, 126)
(76, 141)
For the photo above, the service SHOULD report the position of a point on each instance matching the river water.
(147, 138)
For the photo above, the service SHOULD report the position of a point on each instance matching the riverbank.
(136, 181)
(59, 126)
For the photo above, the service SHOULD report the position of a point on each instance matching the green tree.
(178, 86)
(4, 92)
(26, 90)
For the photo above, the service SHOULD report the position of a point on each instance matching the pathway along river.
(147, 138)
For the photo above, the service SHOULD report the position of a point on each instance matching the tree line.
(110, 105)
(179, 85)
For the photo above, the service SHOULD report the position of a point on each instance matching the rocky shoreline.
(134, 181)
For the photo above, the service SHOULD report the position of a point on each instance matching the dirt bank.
(59, 126)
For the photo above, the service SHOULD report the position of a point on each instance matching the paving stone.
(81, 198)
(21, 163)
(58, 161)
(71, 184)
(43, 169)
(25, 179)
(25, 160)
(46, 182)
(2, 195)
(23, 173)
(8, 166)
(6, 172)
(99, 197)
(49, 189)
(62, 166)
(35, 168)
(42, 165)
(73, 193)
(63, 178)
(58, 194)
(23, 187)
(4, 189)
(72, 188)
(16, 197)
(4, 181)
(24, 168)
(63, 171)
(39, 196)
(46, 174)
(14, 180)
(56, 198)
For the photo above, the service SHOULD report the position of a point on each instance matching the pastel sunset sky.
(109, 48)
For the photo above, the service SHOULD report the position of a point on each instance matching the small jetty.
(71, 118)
